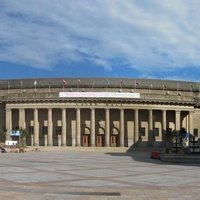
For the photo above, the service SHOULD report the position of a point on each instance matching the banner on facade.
(99, 95)
(14, 133)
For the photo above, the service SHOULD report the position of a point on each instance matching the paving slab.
(82, 175)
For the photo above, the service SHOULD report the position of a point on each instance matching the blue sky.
(95, 38)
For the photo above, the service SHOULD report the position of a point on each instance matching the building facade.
(98, 112)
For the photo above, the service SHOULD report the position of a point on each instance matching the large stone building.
(98, 112)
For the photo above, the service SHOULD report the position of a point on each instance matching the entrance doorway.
(113, 140)
(86, 140)
(99, 140)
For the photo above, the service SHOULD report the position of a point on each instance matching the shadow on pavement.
(143, 154)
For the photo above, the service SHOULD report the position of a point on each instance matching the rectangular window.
(196, 132)
(58, 130)
(142, 131)
(156, 132)
(44, 130)
(31, 130)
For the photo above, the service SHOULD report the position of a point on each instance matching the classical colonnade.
(76, 136)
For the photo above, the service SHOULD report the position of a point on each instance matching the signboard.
(14, 133)
(119, 95)
(11, 143)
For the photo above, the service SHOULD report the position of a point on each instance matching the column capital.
(178, 111)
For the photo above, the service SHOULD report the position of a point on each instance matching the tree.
(3, 133)
(22, 137)
(169, 137)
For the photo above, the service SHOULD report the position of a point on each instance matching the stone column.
(107, 136)
(32, 138)
(92, 127)
(64, 126)
(136, 127)
(50, 128)
(164, 125)
(150, 135)
(8, 123)
(121, 127)
(78, 127)
(22, 123)
(45, 140)
(36, 128)
(191, 122)
(187, 122)
(178, 120)
(59, 140)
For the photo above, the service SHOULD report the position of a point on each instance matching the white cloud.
(146, 35)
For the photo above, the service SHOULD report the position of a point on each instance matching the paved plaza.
(95, 175)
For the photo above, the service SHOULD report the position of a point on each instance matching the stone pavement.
(95, 175)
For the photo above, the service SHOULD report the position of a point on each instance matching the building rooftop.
(100, 83)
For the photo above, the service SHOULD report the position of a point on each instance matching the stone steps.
(65, 149)
(180, 158)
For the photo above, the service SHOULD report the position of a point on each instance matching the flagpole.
(163, 88)
(107, 84)
(78, 82)
(64, 84)
(149, 86)
(92, 85)
(49, 87)
(8, 86)
(35, 84)
(135, 85)
(121, 82)
(21, 87)
(177, 87)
